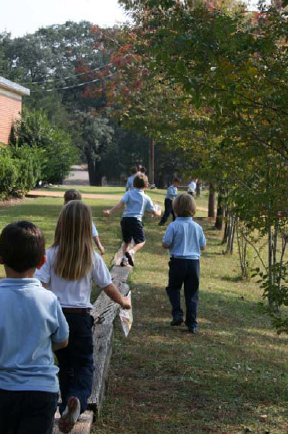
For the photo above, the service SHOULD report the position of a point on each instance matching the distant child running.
(172, 192)
(129, 184)
(31, 326)
(136, 203)
(192, 187)
(71, 265)
(76, 195)
(184, 238)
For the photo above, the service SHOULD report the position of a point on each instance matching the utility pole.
(152, 162)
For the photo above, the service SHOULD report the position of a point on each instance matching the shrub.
(20, 169)
(35, 130)
(8, 174)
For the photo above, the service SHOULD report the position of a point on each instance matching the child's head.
(140, 181)
(176, 181)
(72, 194)
(143, 170)
(184, 205)
(73, 237)
(22, 246)
(134, 170)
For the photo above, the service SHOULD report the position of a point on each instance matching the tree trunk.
(211, 203)
(95, 175)
(151, 162)
(220, 213)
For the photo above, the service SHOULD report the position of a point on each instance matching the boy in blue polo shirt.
(184, 238)
(172, 192)
(136, 203)
(129, 184)
(31, 325)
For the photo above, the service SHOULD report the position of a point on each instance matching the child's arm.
(99, 245)
(58, 345)
(117, 297)
(165, 246)
(116, 208)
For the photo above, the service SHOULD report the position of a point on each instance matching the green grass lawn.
(230, 378)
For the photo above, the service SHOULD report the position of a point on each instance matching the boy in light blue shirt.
(185, 239)
(31, 326)
(172, 192)
(129, 184)
(136, 203)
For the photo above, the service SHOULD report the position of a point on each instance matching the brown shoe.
(70, 415)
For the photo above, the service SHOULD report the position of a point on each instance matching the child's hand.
(126, 303)
(106, 213)
(101, 250)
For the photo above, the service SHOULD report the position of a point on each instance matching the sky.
(19, 17)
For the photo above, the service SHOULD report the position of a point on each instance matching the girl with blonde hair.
(71, 266)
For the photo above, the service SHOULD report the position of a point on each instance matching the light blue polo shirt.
(31, 319)
(171, 192)
(136, 203)
(94, 231)
(129, 184)
(185, 238)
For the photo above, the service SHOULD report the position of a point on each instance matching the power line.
(76, 85)
(71, 76)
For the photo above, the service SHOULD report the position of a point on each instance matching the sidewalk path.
(40, 193)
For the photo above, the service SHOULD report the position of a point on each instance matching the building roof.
(13, 87)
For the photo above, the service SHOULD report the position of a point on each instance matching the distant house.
(10, 106)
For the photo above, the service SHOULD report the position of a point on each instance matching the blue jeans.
(76, 360)
(184, 271)
(27, 412)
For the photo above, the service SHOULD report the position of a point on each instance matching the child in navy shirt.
(184, 238)
(31, 326)
(136, 203)
(172, 192)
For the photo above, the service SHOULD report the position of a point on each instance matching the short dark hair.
(134, 170)
(140, 181)
(176, 179)
(143, 170)
(72, 194)
(22, 245)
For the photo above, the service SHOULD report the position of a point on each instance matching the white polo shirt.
(73, 293)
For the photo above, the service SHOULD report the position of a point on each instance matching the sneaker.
(193, 330)
(124, 261)
(130, 259)
(176, 321)
(70, 415)
(161, 224)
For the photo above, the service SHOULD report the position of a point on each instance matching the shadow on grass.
(215, 381)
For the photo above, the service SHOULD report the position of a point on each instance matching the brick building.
(10, 106)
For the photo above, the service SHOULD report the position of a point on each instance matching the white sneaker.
(70, 415)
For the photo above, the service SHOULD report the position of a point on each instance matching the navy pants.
(184, 271)
(168, 210)
(27, 412)
(76, 360)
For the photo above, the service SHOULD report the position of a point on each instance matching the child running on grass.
(172, 192)
(31, 326)
(73, 194)
(136, 203)
(184, 238)
(71, 265)
(129, 184)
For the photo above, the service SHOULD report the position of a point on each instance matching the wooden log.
(83, 426)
